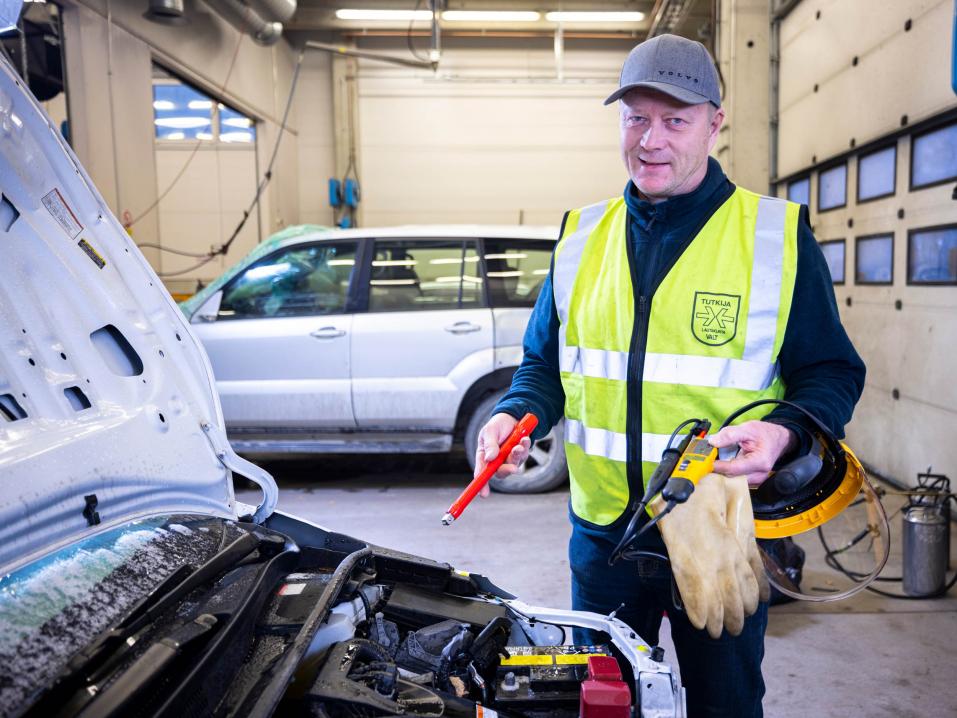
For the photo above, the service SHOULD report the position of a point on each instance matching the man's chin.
(653, 190)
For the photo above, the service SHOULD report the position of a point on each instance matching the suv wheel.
(545, 467)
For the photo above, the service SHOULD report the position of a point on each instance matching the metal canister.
(926, 537)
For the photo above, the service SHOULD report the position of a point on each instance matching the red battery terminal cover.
(604, 694)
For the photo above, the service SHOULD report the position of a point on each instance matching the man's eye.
(676, 121)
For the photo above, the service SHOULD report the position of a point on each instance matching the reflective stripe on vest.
(715, 325)
(611, 444)
(569, 253)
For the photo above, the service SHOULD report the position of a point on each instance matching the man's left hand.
(762, 444)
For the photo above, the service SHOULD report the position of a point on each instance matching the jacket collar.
(679, 206)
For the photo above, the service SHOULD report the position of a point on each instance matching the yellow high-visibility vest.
(706, 343)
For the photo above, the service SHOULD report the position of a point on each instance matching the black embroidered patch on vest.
(714, 317)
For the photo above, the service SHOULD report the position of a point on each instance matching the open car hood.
(108, 408)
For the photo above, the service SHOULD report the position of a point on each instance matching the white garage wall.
(907, 335)
(316, 149)
(109, 49)
(206, 204)
(493, 139)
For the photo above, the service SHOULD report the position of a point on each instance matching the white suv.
(376, 340)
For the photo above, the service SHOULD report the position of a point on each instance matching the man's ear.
(717, 119)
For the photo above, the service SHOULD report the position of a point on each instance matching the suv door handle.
(463, 328)
(327, 333)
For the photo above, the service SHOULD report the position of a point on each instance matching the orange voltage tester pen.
(522, 429)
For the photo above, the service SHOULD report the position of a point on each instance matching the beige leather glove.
(715, 579)
(740, 519)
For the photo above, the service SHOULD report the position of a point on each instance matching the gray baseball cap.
(674, 65)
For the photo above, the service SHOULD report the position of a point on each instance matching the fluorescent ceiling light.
(242, 122)
(181, 123)
(200, 104)
(407, 15)
(164, 105)
(594, 16)
(491, 16)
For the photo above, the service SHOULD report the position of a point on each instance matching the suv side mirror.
(209, 310)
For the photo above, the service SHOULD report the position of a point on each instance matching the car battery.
(543, 677)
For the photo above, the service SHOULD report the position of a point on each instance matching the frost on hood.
(52, 608)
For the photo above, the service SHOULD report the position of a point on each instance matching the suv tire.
(545, 468)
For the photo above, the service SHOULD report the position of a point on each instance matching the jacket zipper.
(637, 350)
(636, 366)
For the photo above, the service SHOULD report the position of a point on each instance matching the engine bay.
(404, 650)
(407, 636)
(289, 619)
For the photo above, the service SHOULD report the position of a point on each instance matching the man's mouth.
(650, 163)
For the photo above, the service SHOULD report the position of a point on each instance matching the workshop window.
(183, 112)
(516, 270)
(832, 188)
(234, 126)
(934, 157)
(800, 191)
(306, 280)
(874, 259)
(833, 250)
(418, 275)
(876, 173)
(932, 255)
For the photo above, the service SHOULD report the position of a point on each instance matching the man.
(686, 297)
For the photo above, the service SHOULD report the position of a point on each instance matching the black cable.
(182, 171)
(654, 521)
(679, 428)
(408, 34)
(858, 577)
(152, 245)
(636, 553)
(629, 535)
(267, 176)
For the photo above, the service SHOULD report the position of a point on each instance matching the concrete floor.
(865, 656)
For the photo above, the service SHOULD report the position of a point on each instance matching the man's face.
(665, 143)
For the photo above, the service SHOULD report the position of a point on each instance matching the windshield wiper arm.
(116, 699)
(82, 668)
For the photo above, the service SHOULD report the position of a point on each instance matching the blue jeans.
(722, 676)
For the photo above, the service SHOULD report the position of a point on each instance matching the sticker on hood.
(62, 213)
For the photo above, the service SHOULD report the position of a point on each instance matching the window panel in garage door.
(426, 337)
(280, 345)
(515, 271)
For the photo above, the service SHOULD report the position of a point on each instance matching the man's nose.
(653, 138)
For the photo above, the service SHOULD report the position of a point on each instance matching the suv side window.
(516, 270)
(424, 274)
(296, 281)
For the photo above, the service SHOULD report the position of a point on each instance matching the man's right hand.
(490, 438)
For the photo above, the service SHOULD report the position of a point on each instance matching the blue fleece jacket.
(821, 370)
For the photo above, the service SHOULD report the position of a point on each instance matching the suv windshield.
(52, 608)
